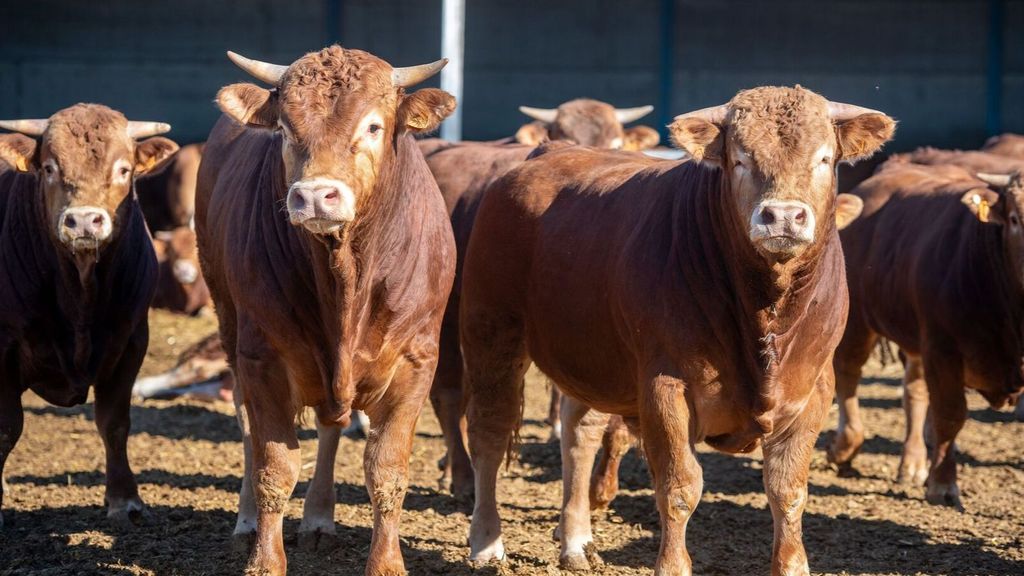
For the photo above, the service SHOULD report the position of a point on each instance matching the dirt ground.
(188, 459)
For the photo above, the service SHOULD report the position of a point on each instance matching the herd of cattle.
(358, 270)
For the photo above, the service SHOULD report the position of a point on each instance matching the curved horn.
(840, 111)
(714, 114)
(137, 130)
(627, 115)
(412, 75)
(26, 127)
(545, 115)
(998, 180)
(264, 71)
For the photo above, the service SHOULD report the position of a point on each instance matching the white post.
(453, 27)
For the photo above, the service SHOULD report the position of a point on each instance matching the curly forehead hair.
(316, 82)
(779, 125)
(82, 135)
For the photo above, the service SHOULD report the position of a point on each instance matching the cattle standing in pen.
(936, 265)
(700, 300)
(1011, 145)
(180, 285)
(77, 273)
(168, 197)
(326, 247)
(463, 171)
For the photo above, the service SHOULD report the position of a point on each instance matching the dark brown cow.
(181, 287)
(935, 265)
(77, 273)
(328, 253)
(168, 197)
(699, 300)
(969, 159)
(463, 171)
(1011, 145)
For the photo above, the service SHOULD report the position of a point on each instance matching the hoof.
(493, 553)
(944, 495)
(317, 540)
(846, 470)
(556, 432)
(128, 515)
(391, 571)
(912, 475)
(581, 561)
(242, 542)
(843, 448)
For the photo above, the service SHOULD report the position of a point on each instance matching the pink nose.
(783, 218)
(320, 200)
(86, 223)
(313, 201)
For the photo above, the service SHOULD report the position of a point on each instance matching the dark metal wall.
(950, 70)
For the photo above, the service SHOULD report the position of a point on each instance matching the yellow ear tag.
(982, 205)
(22, 166)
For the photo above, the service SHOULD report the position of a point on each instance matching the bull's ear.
(704, 141)
(533, 134)
(249, 105)
(640, 138)
(18, 150)
(983, 203)
(848, 208)
(862, 136)
(153, 154)
(423, 110)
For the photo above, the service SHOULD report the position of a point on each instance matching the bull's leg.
(113, 421)
(12, 420)
(1018, 412)
(446, 399)
(850, 356)
(555, 411)
(583, 430)
(245, 525)
(275, 457)
(496, 361)
(943, 373)
(914, 463)
(316, 531)
(614, 445)
(386, 462)
(787, 460)
(678, 480)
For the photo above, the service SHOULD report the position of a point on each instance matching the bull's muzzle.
(185, 272)
(782, 227)
(84, 226)
(321, 205)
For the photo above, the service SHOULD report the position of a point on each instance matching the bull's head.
(778, 149)
(588, 122)
(1001, 204)
(85, 161)
(339, 113)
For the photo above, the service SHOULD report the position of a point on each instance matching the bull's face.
(590, 123)
(339, 113)
(778, 149)
(1002, 204)
(85, 165)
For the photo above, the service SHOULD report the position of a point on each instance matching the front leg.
(113, 420)
(787, 460)
(316, 531)
(943, 373)
(914, 461)
(678, 480)
(12, 419)
(386, 462)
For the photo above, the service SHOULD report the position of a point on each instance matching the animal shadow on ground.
(172, 421)
(726, 538)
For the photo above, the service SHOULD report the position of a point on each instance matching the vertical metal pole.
(994, 88)
(666, 65)
(453, 28)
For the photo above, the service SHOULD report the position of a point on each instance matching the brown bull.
(168, 197)
(1011, 145)
(180, 287)
(936, 265)
(329, 255)
(969, 159)
(463, 171)
(699, 300)
(77, 274)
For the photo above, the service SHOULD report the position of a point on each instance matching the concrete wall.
(924, 61)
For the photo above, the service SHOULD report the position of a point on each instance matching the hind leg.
(496, 361)
(615, 444)
(446, 399)
(583, 430)
(316, 531)
(850, 356)
(555, 412)
(914, 462)
(12, 420)
(245, 523)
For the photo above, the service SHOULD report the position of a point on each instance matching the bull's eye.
(124, 171)
(48, 168)
(1014, 221)
(374, 129)
(826, 160)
